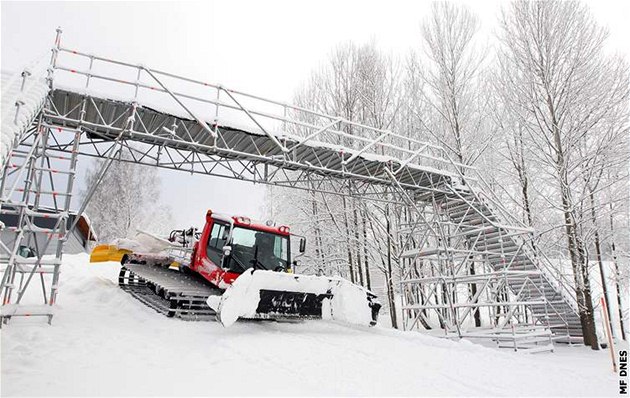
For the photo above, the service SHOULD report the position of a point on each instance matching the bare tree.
(126, 199)
(450, 72)
(562, 88)
(358, 83)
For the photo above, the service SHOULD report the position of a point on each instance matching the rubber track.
(167, 291)
(177, 294)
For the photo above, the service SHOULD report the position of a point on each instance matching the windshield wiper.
(238, 261)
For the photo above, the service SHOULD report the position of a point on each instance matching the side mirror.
(302, 245)
(227, 250)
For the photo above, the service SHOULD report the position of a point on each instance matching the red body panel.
(212, 272)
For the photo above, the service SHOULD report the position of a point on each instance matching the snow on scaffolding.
(23, 95)
(171, 108)
(211, 104)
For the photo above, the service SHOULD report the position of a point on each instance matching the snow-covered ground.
(104, 342)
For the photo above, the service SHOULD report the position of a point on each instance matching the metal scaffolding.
(104, 108)
(37, 182)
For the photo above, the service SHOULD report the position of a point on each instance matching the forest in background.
(540, 109)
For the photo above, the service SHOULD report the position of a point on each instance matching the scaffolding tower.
(37, 183)
(93, 106)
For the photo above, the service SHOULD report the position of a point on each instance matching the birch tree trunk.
(617, 275)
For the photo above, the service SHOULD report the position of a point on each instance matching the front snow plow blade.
(102, 253)
(274, 295)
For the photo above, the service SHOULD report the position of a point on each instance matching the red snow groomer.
(232, 269)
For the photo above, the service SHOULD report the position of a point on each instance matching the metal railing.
(212, 105)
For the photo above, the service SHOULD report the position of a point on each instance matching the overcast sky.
(262, 47)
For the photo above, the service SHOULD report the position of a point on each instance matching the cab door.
(219, 235)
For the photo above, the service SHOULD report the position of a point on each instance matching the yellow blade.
(103, 253)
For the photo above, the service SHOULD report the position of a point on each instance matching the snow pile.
(103, 342)
(26, 101)
(349, 302)
(143, 242)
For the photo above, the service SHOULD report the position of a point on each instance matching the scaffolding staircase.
(36, 184)
(508, 250)
(476, 226)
